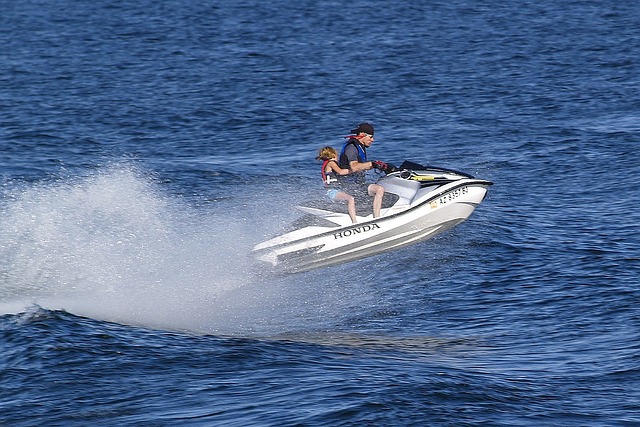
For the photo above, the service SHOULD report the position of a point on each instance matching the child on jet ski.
(330, 171)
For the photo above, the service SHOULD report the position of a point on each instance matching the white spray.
(112, 246)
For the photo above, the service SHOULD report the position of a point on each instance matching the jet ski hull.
(425, 208)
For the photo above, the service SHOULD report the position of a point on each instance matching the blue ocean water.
(145, 147)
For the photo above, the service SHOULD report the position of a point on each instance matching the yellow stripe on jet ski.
(423, 178)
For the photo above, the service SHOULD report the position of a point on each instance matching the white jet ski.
(420, 202)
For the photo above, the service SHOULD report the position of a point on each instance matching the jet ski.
(420, 202)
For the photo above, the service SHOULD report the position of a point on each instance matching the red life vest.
(328, 178)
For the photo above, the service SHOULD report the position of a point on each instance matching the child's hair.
(327, 153)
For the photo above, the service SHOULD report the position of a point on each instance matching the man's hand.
(384, 167)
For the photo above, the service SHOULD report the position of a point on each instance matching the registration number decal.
(450, 196)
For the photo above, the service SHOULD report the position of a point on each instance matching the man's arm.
(352, 155)
(356, 166)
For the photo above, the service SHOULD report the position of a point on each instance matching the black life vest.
(354, 177)
(362, 153)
